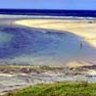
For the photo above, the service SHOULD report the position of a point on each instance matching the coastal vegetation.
(58, 89)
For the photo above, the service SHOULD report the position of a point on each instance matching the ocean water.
(52, 12)
(38, 46)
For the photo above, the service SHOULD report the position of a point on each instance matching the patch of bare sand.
(77, 64)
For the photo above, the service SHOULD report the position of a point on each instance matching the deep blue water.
(30, 46)
(82, 13)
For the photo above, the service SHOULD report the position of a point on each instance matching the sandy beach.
(82, 28)
(50, 43)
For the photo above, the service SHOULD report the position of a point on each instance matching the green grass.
(57, 89)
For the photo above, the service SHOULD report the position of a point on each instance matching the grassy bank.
(58, 89)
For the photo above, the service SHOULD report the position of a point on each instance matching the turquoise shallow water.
(36, 46)
(5, 37)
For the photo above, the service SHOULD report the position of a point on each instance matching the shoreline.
(18, 76)
(85, 30)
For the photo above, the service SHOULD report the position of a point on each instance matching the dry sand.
(81, 28)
